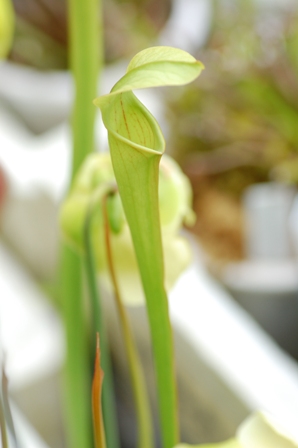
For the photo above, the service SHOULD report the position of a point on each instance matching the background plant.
(238, 125)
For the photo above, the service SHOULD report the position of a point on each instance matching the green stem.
(85, 36)
(109, 411)
(77, 365)
(86, 60)
(140, 202)
(145, 431)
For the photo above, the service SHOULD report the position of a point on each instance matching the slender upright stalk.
(144, 423)
(86, 61)
(77, 363)
(143, 218)
(85, 36)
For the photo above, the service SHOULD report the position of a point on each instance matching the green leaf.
(129, 121)
(155, 67)
(137, 178)
(136, 145)
(159, 66)
(115, 213)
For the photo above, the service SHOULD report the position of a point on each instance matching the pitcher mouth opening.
(156, 143)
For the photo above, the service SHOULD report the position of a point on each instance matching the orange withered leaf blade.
(98, 426)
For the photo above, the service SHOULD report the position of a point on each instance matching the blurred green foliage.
(241, 116)
(237, 124)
